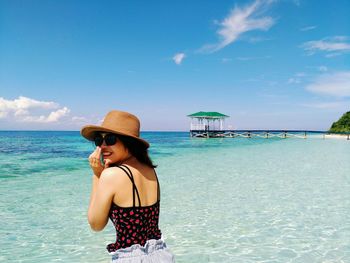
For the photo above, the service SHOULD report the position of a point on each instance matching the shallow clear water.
(223, 200)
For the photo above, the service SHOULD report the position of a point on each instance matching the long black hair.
(137, 149)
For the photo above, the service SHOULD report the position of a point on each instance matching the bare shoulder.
(113, 174)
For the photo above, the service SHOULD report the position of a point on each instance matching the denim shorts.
(154, 251)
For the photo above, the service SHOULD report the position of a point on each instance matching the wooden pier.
(210, 125)
(266, 134)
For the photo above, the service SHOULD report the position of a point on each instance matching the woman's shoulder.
(114, 174)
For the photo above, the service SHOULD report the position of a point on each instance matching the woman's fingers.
(107, 163)
(94, 157)
(94, 162)
(96, 153)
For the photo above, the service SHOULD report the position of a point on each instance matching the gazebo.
(201, 122)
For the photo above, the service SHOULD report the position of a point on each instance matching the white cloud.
(79, 119)
(3, 114)
(322, 68)
(254, 40)
(178, 58)
(308, 28)
(332, 55)
(296, 2)
(300, 74)
(226, 60)
(296, 79)
(252, 58)
(21, 105)
(239, 21)
(56, 115)
(339, 38)
(29, 110)
(335, 45)
(326, 105)
(293, 81)
(336, 84)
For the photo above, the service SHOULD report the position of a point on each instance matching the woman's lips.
(106, 154)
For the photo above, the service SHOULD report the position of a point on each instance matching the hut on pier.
(203, 123)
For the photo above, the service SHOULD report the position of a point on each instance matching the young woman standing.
(125, 189)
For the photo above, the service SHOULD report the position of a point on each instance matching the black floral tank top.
(136, 224)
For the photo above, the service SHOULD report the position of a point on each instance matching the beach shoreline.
(337, 136)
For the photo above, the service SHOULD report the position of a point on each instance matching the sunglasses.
(109, 139)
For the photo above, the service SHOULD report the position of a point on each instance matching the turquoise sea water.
(223, 200)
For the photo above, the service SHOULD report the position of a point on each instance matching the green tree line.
(342, 125)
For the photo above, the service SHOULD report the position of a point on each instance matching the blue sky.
(268, 64)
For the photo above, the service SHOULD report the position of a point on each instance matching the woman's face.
(115, 153)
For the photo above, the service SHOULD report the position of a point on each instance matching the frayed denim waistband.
(137, 252)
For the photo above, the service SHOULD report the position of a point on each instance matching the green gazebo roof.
(208, 115)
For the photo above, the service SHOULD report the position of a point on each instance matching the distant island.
(342, 125)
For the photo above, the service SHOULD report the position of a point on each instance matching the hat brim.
(89, 131)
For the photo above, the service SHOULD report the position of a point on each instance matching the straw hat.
(118, 122)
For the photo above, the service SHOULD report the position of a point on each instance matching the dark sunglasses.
(109, 139)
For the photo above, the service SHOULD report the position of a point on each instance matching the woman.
(125, 189)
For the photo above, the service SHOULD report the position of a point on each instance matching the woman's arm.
(101, 193)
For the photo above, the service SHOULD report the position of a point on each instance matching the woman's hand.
(95, 162)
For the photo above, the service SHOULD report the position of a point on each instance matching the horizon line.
(306, 130)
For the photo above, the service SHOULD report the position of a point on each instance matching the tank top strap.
(134, 188)
(158, 187)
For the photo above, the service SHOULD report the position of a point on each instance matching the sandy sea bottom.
(223, 200)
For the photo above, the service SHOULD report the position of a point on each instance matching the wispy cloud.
(226, 60)
(296, 2)
(239, 21)
(332, 46)
(252, 58)
(300, 74)
(322, 68)
(293, 81)
(308, 28)
(326, 105)
(336, 84)
(30, 110)
(79, 119)
(297, 78)
(178, 58)
(332, 55)
(254, 40)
